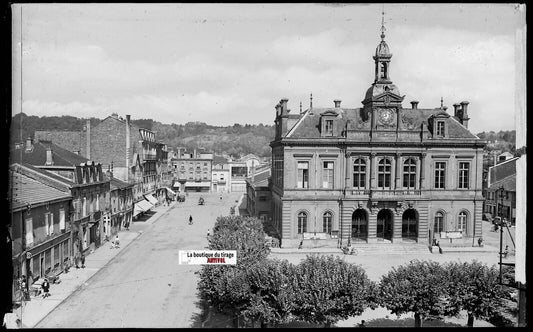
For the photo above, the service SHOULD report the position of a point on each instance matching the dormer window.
(328, 128)
(440, 128)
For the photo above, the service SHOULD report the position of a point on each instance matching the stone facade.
(379, 173)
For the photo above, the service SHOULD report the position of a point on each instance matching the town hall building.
(378, 173)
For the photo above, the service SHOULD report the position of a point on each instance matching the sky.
(232, 63)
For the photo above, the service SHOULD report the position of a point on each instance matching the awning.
(176, 184)
(198, 184)
(151, 199)
(170, 191)
(141, 206)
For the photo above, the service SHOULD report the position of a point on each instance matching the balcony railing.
(385, 193)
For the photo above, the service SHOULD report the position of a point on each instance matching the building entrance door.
(410, 225)
(384, 225)
(359, 225)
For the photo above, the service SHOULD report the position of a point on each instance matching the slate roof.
(37, 156)
(259, 179)
(308, 126)
(44, 176)
(502, 170)
(508, 183)
(119, 184)
(29, 191)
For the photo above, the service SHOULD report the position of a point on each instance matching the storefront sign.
(451, 235)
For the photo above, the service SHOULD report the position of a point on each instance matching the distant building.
(133, 153)
(378, 173)
(258, 195)
(501, 192)
(192, 171)
(220, 175)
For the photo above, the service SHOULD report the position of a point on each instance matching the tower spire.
(383, 23)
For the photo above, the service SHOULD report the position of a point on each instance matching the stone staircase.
(391, 249)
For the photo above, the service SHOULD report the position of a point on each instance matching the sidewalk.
(32, 312)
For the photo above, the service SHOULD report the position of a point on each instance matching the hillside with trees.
(504, 140)
(237, 140)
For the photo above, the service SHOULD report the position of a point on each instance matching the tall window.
(97, 202)
(29, 231)
(359, 173)
(84, 207)
(49, 223)
(440, 128)
(61, 219)
(303, 174)
(440, 172)
(409, 173)
(302, 222)
(328, 128)
(327, 174)
(464, 171)
(439, 223)
(461, 221)
(384, 173)
(326, 222)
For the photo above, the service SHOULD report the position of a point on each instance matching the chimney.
(337, 103)
(414, 104)
(128, 147)
(456, 110)
(29, 144)
(88, 133)
(283, 103)
(278, 110)
(49, 157)
(465, 117)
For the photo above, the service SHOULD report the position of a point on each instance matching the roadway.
(144, 286)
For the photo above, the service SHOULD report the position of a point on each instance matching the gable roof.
(28, 191)
(43, 176)
(502, 170)
(37, 156)
(508, 184)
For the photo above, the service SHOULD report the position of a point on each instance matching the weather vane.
(383, 23)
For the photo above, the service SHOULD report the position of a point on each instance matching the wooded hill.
(237, 140)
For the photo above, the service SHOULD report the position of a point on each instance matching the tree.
(329, 289)
(474, 287)
(272, 292)
(418, 287)
(244, 234)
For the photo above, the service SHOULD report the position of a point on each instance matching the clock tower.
(383, 101)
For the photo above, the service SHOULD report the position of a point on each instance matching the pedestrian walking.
(117, 242)
(362, 324)
(480, 241)
(83, 261)
(46, 288)
(190, 220)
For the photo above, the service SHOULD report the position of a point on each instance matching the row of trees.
(326, 289)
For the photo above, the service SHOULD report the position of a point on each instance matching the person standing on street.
(190, 220)
(117, 242)
(46, 288)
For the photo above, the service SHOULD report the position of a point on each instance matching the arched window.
(461, 221)
(409, 173)
(359, 173)
(302, 222)
(439, 222)
(384, 173)
(326, 222)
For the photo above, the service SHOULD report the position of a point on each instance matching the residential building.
(500, 197)
(220, 175)
(88, 185)
(131, 152)
(377, 173)
(40, 227)
(121, 207)
(258, 194)
(193, 170)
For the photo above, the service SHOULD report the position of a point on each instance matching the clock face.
(386, 116)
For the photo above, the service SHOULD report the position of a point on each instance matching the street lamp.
(501, 191)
